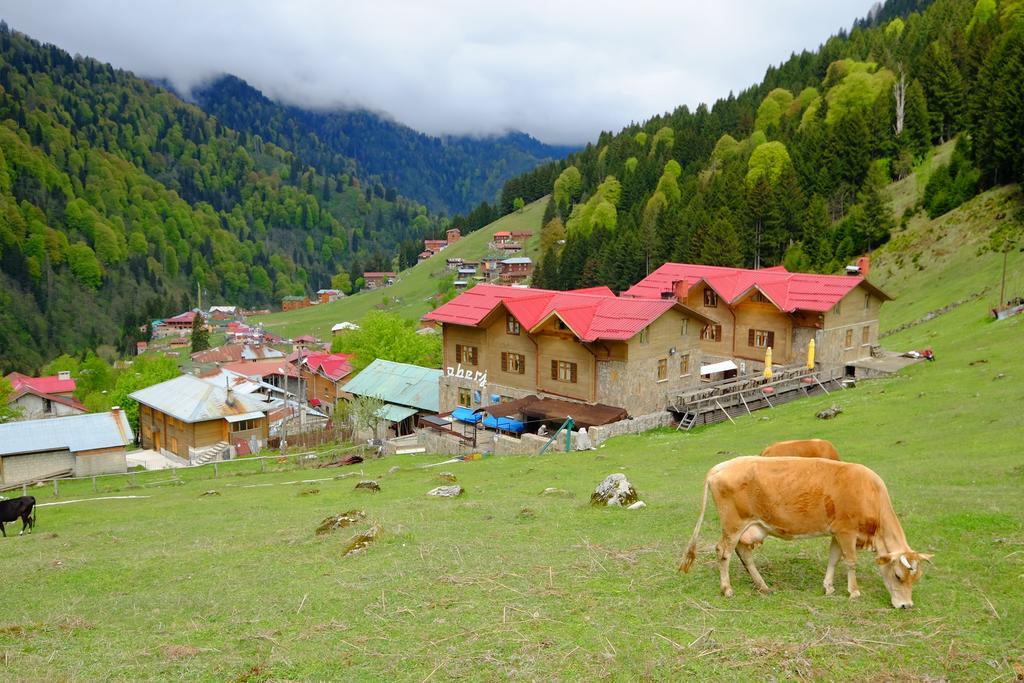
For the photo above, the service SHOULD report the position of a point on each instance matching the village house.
(376, 280)
(453, 235)
(423, 256)
(501, 237)
(584, 346)
(326, 296)
(453, 263)
(44, 397)
(324, 375)
(521, 235)
(179, 325)
(407, 391)
(752, 310)
(223, 313)
(277, 373)
(515, 270)
(343, 327)
(434, 246)
(75, 445)
(293, 303)
(235, 353)
(194, 421)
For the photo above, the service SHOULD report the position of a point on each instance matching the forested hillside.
(791, 170)
(118, 202)
(450, 174)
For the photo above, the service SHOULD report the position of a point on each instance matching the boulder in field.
(361, 542)
(345, 519)
(368, 485)
(614, 490)
(446, 491)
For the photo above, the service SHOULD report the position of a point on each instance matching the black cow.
(11, 510)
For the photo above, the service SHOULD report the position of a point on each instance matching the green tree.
(8, 411)
(200, 335)
(917, 134)
(518, 204)
(721, 244)
(144, 372)
(84, 265)
(342, 282)
(388, 336)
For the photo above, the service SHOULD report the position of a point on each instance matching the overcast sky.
(561, 71)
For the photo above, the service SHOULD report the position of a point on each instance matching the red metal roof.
(591, 314)
(305, 339)
(52, 384)
(789, 291)
(333, 366)
(186, 317)
(383, 274)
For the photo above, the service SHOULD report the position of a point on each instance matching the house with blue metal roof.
(78, 445)
(407, 390)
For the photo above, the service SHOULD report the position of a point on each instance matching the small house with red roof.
(585, 346)
(772, 307)
(178, 325)
(39, 398)
(324, 375)
(434, 246)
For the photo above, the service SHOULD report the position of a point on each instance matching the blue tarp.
(505, 424)
(465, 415)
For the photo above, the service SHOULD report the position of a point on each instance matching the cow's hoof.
(854, 595)
(830, 590)
(764, 590)
(727, 592)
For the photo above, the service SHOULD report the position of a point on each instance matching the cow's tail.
(691, 550)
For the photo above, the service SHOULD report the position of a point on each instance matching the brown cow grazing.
(802, 448)
(789, 498)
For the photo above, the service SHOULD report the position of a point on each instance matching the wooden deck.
(727, 399)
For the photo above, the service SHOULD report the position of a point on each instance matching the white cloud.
(562, 71)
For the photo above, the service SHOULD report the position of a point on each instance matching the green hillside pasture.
(934, 263)
(506, 583)
(409, 296)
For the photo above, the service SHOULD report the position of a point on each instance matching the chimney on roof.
(229, 399)
(64, 375)
(116, 410)
(864, 265)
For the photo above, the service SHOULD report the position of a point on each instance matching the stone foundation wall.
(636, 425)
(21, 468)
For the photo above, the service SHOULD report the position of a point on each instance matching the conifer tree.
(200, 335)
(721, 244)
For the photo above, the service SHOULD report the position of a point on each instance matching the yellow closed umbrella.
(768, 363)
(810, 355)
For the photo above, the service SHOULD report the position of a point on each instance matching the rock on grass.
(614, 490)
(345, 519)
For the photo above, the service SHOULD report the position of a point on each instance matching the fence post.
(55, 491)
(24, 489)
(263, 465)
(214, 470)
(94, 483)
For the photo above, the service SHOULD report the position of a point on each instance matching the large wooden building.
(752, 310)
(584, 346)
(190, 419)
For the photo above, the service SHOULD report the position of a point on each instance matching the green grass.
(409, 296)
(504, 583)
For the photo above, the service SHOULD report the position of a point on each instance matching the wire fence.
(141, 479)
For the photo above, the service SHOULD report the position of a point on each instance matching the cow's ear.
(885, 559)
(924, 557)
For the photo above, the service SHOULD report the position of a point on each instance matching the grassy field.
(409, 296)
(504, 582)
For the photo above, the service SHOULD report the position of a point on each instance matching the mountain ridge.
(451, 173)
